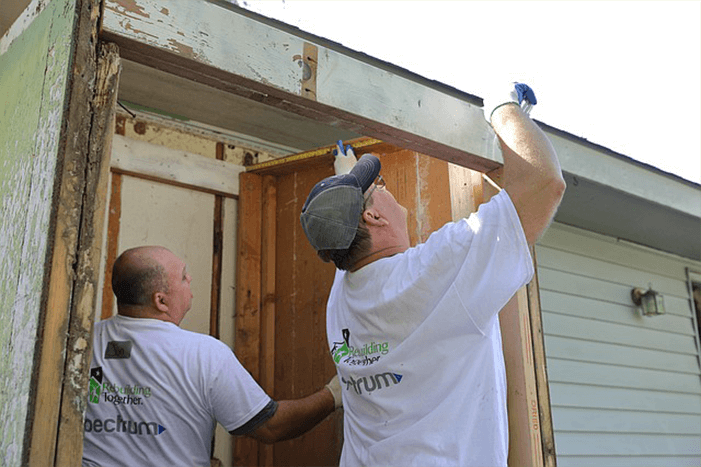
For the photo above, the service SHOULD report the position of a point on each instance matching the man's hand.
(516, 93)
(345, 158)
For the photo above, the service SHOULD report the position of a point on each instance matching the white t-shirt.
(417, 344)
(157, 391)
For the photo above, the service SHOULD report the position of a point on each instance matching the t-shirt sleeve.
(235, 396)
(498, 261)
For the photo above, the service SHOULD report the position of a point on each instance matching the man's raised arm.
(532, 176)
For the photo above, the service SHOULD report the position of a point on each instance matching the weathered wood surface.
(191, 170)
(79, 346)
(34, 72)
(226, 49)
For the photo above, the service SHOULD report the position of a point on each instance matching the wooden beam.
(157, 163)
(267, 327)
(248, 294)
(525, 446)
(217, 250)
(263, 62)
(72, 174)
(319, 157)
(547, 433)
(531, 439)
(113, 224)
(79, 348)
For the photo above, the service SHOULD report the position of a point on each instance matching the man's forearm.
(295, 417)
(532, 155)
(532, 174)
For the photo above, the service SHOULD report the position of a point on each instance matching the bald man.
(157, 391)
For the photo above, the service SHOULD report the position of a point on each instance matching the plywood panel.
(302, 360)
(181, 220)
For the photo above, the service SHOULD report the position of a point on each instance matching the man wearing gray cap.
(414, 331)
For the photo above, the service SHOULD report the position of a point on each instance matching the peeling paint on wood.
(221, 47)
(33, 77)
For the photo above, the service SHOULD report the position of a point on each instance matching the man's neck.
(379, 254)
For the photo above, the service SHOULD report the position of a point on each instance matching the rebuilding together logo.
(367, 354)
(129, 395)
(118, 395)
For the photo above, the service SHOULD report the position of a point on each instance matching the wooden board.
(185, 39)
(68, 202)
(79, 346)
(302, 360)
(188, 169)
(248, 295)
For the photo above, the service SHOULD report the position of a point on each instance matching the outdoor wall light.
(650, 302)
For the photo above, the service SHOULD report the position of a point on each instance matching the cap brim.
(366, 170)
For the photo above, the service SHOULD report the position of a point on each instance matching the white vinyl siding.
(625, 389)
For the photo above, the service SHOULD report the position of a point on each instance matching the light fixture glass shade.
(650, 302)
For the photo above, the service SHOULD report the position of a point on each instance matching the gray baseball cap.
(331, 214)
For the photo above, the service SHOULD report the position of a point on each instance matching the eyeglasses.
(379, 182)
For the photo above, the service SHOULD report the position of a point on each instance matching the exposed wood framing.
(114, 215)
(185, 40)
(547, 433)
(248, 294)
(319, 157)
(113, 222)
(255, 297)
(79, 347)
(217, 250)
(525, 446)
(267, 319)
(156, 163)
(72, 181)
(531, 440)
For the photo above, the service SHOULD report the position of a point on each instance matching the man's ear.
(373, 218)
(159, 301)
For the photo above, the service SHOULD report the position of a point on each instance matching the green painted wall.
(33, 79)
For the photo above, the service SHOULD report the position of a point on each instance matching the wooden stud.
(113, 223)
(44, 412)
(267, 328)
(79, 347)
(302, 360)
(248, 294)
(525, 447)
(547, 433)
(531, 440)
(217, 248)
